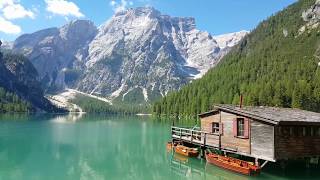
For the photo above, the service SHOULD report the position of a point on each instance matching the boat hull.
(232, 164)
(186, 151)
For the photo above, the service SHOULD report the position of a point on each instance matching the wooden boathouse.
(265, 133)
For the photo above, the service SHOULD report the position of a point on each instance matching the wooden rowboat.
(186, 151)
(232, 164)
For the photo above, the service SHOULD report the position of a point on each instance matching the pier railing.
(195, 136)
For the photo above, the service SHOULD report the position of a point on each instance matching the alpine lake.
(97, 146)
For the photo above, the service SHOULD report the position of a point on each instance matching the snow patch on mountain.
(145, 94)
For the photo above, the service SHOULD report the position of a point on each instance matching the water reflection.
(101, 147)
(181, 166)
(192, 168)
(67, 118)
(69, 147)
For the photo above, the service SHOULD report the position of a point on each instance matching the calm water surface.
(104, 147)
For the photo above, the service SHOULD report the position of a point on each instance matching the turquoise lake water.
(104, 147)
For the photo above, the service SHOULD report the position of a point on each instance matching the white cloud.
(5, 3)
(16, 11)
(8, 27)
(64, 8)
(120, 6)
(12, 9)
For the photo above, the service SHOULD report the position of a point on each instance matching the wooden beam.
(265, 163)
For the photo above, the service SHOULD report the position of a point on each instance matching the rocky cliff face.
(54, 51)
(137, 56)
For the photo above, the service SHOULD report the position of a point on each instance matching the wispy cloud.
(8, 27)
(63, 8)
(120, 5)
(10, 10)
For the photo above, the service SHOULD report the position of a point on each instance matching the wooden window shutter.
(235, 127)
(246, 128)
(221, 129)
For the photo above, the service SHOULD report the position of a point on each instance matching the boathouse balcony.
(197, 137)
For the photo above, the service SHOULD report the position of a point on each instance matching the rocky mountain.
(229, 40)
(137, 56)
(7, 45)
(277, 64)
(19, 88)
(55, 51)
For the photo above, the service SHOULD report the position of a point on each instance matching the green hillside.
(275, 65)
(20, 90)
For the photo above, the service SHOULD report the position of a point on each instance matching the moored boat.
(232, 164)
(186, 151)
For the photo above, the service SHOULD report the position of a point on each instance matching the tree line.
(10, 102)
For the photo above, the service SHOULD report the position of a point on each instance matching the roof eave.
(246, 114)
(205, 114)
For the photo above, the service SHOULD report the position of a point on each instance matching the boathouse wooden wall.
(206, 125)
(292, 146)
(228, 141)
(260, 143)
(262, 140)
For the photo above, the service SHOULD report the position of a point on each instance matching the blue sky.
(215, 16)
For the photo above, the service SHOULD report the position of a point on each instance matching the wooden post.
(265, 162)
(180, 134)
(203, 152)
(241, 101)
(256, 161)
(205, 139)
(219, 141)
(172, 131)
(191, 135)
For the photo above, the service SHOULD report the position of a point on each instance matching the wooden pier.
(194, 136)
(201, 138)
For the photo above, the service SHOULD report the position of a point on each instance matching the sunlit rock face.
(138, 55)
(56, 50)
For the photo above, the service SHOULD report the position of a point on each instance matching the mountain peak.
(147, 17)
(78, 28)
(79, 22)
(140, 11)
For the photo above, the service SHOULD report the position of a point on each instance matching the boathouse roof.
(273, 115)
